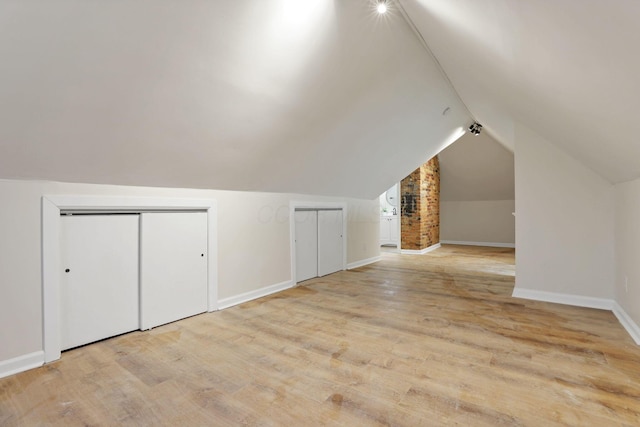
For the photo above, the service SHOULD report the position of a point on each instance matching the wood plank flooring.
(422, 340)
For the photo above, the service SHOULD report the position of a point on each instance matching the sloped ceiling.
(567, 69)
(476, 168)
(316, 96)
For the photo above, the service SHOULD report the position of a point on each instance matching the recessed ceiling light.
(382, 7)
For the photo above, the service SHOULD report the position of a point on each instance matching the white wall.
(253, 246)
(627, 231)
(564, 222)
(481, 221)
(20, 280)
(477, 192)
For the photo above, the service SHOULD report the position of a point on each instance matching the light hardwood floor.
(413, 340)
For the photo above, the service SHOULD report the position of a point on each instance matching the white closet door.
(173, 264)
(99, 277)
(306, 243)
(330, 257)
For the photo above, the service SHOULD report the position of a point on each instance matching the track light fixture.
(475, 128)
(381, 7)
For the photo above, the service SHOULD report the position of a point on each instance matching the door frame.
(52, 205)
(293, 205)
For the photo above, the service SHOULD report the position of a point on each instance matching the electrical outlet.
(626, 284)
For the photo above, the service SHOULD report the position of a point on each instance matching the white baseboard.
(625, 320)
(568, 299)
(363, 262)
(419, 251)
(21, 363)
(258, 293)
(490, 244)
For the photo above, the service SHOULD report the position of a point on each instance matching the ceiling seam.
(425, 45)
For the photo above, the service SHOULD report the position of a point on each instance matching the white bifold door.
(99, 277)
(330, 245)
(306, 242)
(318, 242)
(123, 272)
(173, 262)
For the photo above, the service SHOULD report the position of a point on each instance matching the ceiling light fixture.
(475, 128)
(382, 6)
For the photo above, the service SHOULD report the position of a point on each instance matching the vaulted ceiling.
(314, 96)
(567, 69)
(476, 168)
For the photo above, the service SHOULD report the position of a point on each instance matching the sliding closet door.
(173, 279)
(330, 252)
(306, 243)
(99, 277)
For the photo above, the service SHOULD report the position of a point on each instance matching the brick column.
(420, 207)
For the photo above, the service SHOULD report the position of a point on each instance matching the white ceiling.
(476, 168)
(315, 96)
(568, 69)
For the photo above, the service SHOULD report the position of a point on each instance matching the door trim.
(51, 207)
(293, 205)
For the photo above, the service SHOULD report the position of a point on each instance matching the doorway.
(390, 220)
